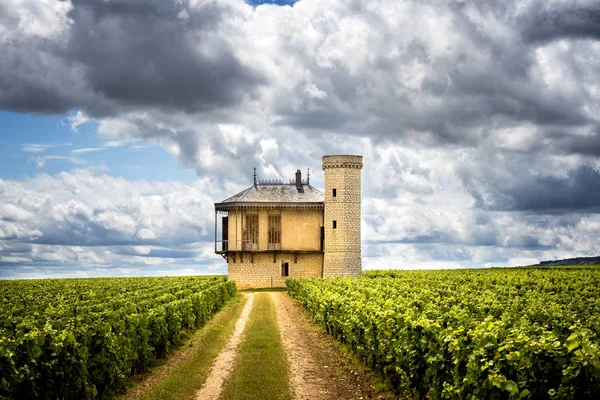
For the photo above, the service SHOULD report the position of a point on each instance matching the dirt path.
(318, 370)
(224, 362)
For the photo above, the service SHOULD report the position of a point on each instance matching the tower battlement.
(342, 161)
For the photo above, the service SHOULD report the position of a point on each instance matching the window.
(250, 232)
(322, 238)
(274, 232)
(334, 224)
(285, 269)
(334, 193)
(225, 233)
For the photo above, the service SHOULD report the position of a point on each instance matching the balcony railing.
(248, 245)
(223, 246)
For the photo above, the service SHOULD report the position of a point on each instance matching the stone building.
(275, 230)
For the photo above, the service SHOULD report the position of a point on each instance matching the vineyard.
(85, 338)
(468, 334)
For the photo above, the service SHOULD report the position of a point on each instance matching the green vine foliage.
(85, 338)
(468, 334)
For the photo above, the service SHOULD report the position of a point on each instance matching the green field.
(468, 334)
(85, 338)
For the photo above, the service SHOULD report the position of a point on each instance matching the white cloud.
(78, 119)
(88, 150)
(34, 147)
(41, 147)
(110, 144)
(41, 161)
(42, 18)
(84, 219)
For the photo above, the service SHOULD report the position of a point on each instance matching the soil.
(224, 362)
(318, 369)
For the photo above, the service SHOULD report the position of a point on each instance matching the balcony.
(223, 246)
(230, 246)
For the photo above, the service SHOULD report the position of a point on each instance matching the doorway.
(285, 269)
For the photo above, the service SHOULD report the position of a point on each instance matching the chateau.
(275, 230)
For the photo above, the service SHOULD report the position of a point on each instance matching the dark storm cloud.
(579, 190)
(16, 248)
(483, 82)
(569, 21)
(433, 237)
(479, 235)
(526, 241)
(90, 234)
(35, 78)
(158, 53)
(126, 54)
(117, 56)
(157, 253)
(78, 232)
(588, 145)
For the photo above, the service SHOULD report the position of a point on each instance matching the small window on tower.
(334, 224)
(334, 193)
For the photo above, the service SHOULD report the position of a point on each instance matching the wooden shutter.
(274, 232)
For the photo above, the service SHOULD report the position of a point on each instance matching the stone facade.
(263, 270)
(342, 241)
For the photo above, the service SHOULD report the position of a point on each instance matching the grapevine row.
(468, 334)
(94, 354)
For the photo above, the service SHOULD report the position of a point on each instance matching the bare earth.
(224, 362)
(318, 370)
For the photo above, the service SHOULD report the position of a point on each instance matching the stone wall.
(265, 270)
(342, 243)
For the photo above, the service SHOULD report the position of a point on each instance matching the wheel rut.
(223, 365)
(317, 368)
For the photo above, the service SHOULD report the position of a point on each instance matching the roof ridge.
(277, 193)
(243, 192)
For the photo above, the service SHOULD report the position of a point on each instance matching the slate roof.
(279, 193)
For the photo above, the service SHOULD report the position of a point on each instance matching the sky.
(122, 122)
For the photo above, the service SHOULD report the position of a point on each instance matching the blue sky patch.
(276, 2)
(33, 144)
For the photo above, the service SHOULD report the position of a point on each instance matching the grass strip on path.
(261, 370)
(181, 377)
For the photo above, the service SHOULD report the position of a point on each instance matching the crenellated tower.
(342, 201)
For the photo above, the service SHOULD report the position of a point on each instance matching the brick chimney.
(299, 182)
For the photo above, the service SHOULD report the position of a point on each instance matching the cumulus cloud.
(450, 73)
(85, 216)
(479, 121)
(115, 54)
(555, 20)
(453, 73)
